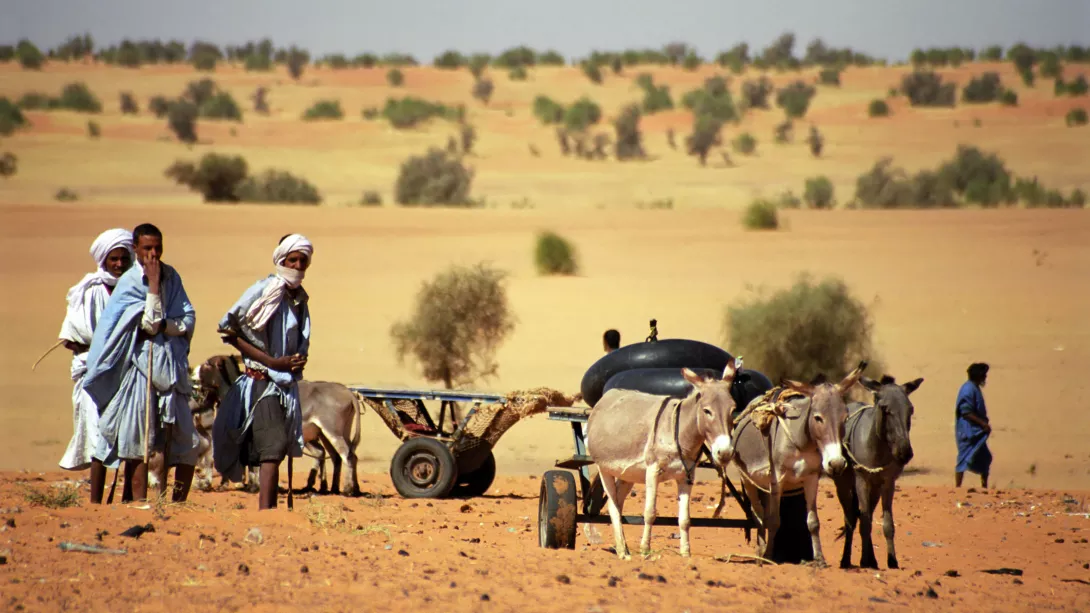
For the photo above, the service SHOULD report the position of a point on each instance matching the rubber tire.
(477, 482)
(424, 447)
(793, 544)
(748, 384)
(668, 353)
(556, 510)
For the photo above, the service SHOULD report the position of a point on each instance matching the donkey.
(633, 436)
(801, 443)
(876, 437)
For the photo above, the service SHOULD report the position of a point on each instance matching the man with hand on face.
(259, 422)
(112, 252)
(148, 315)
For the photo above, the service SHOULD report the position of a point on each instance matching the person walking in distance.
(138, 372)
(113, 254)
(259, 422)
(972, 427)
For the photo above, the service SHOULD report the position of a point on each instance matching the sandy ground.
(383, 553)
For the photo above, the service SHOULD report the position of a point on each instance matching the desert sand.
(946, 288)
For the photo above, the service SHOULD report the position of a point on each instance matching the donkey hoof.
(685, 553)
(892, 563)
(845, 564)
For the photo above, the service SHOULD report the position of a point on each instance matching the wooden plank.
(410, 394)
(695, 522)
(574, 462)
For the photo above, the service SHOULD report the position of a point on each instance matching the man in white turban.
(259, 422)
(112, 253)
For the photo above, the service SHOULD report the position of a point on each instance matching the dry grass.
(57, 496)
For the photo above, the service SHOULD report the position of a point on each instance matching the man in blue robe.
(973, 428)
(148, 314)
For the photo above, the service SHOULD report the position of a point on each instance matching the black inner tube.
(748, 384)
(669, 353)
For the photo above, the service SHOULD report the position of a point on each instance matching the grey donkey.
(877, 441)
(633, 437)
(803, 440)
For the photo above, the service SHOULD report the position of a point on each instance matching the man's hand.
(987, 428)
(281, 364)
(154, 272)
(75, 348)
(298, 363)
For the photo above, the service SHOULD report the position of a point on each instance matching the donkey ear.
(870, 384)
(912, 386)
(731, 370)
(852, 378)
(692, 377)
(802, 388)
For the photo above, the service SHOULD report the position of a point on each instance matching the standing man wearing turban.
(259, 422)
(141, 345)
(113, 254)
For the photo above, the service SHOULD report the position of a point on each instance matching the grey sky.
(425, 28)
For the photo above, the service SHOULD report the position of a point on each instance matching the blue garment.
(286, 333)
(117, 370)
(973, 453)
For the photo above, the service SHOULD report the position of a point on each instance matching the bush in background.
(435, 178)
(761, 215)
(878, 108)
(554, 255)
(128, 104)
(324, 109)
(277, 186)
(819, 193)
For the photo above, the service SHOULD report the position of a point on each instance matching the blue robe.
(286, 333)
(117, 367)
(973, 453)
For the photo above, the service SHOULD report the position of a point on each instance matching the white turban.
(267, 304)
(100, 250)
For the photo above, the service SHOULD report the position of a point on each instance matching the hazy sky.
(425, 28)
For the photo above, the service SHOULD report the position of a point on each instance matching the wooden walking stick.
(113, 486)
(147, 406)
(291, 501)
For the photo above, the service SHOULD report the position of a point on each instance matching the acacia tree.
(460, 319)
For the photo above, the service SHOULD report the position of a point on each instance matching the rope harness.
(849, 426)
(689, 470)
(772, 408)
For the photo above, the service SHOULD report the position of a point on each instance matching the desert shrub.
(1028, 77)
(1076, 117)
(11, 117)
(582, 114)
(692, 61)
(450, 60)
(297, 60)
(215, 176)
(324, 109)
(705, 135)
(755, 93)
(761, 215)
(878, 108)
(182, 120)
(984, 88)
(925, 88)
(459, 320)
(829, 76)
(993, 53)
(204, 62)
(9, 164)
(468, 135)
(1076, 87)
(37, 101)
(159, 106)
(593, 72)
(1077, 199)
(128, 104)
(802, 331)
(261, 101)
(93, 129)
(1008, 98)
(981, 177)
(258, 63)
(435, 178)
(1049, 66)
(657, 98)
(371, 198)
(477, 64)
(971, 176)
(547, 110)
(617, 65)
(816, 141)
(783, 132)
(61, 497)
(518, 73)
(554, 255)
(745, 143)
(712, 99)
(66, 194)
(220, 105)
(29, 56)
(77, 97)
(277, 186)
(795, 98)
(629, 139)
(819, 193)
(200, 91)
(482, 89)
(395, 77)
(403, 113)
(788, 200)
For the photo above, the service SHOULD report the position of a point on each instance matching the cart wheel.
(476, 482)
(556, 510)
(423, 468)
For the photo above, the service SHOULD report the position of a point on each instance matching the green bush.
(216, 176)
(878, 108)
(705, 135)
(554, 255)
(547, 110)
(277, 186)
(925, 88)
(324, 109)
(220, 105)
(11, 117)
(629, 138)
(761, 215)
(77, 97)
(395, 77)
(93, 129)
(1076, 117)
(518, 73)
(407, 112)
(795, 98)
(37, 101)
(802, 331)
(65, 194)
(1077, 87)
(829, 76)
(582, 114)
(593, 72)
(819, 193)
(182, 120)
(657, 98)
(159, 106)
(482, 89)
(755, 93)
(9, 164)
(371, 198)
(128, 104)
(258, 63)
(745, 144)
(29, 56)
(1008, 98)
(435, 178)
(984, 88)
(713, 99)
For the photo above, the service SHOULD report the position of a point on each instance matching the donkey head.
(828, 412)
(894, 413)
(713, 411)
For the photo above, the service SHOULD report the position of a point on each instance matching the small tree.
(878, 108)
(745, 144)
(547, 110)
(11, 117)
(761, 215)
(182, 120)
(629, 139)
(460, 319)
(802, 331)
(395, 77)
(9, 164)
(829, 76)
(324, 109)
(297, 61)
(468, 136)
(1076, 117)
(925, 88)
(216, 176)
(593, 72)
(816, 142)
(582, 114)
(795, 98)
(482, 89)
(435, 178)
(705, 135)
(819, 193)
(261, 101)
(555, 255)
(159, 106)
(128, 104)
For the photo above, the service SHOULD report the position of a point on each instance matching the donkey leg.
(651, 481)
(609, 484)
(758, 514)
(810, 487)
(772, 517)
(845, 492)
(868, 500)
(684, 488)
(887, 522)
